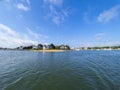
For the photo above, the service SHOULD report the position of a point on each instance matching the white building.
(34, 47)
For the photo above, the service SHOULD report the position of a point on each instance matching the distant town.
(60, 47)
(41, 47)
(99, 48)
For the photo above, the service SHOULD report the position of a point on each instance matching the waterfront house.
(34, 47)
(64, 47)
(40, 46)
(21, 48)
(46, 47)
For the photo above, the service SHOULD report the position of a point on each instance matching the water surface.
(75, 70)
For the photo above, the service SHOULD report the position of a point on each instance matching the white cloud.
(11, 38)
(57, 16)
(87, 15)
(12, 42)
(37, 36)
(113, 43)
(22, 7)
(7, 30)
(109, 15)
(19, 4)
(99, 36)
(25, 1)
(56, 12)
(60, 17)
(56, 20)
(54, 2)
(28, 2)
(33, 34)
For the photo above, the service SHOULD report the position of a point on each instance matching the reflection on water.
(81, 70)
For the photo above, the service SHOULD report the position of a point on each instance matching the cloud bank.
(109, 15)
(11, 38)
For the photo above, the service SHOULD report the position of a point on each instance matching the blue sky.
(73, 22)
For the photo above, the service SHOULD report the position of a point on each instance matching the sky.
(74, 22)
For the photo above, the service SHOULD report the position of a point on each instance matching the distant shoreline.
(49, 50)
